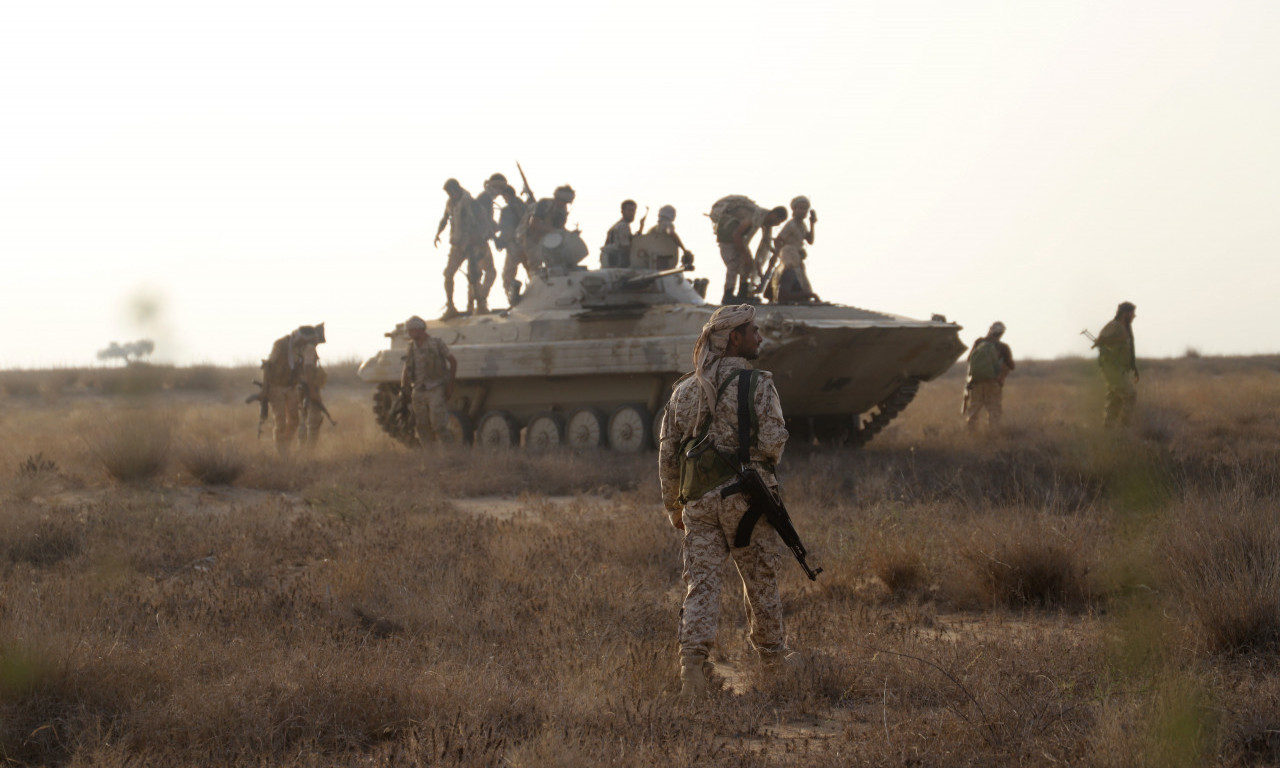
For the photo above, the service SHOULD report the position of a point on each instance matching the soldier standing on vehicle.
(1119, 363)
(538, 222)
(667, 226)
(789, 283)
(737, 219)
(466, 234)
(508, 222)
(292, 365)
(617, 241)
(427, 382)
(703, 498)
(990, 361)
(481, 271)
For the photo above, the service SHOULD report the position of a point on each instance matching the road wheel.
(585, 429)
(545, 432)
(630, 427)
(497, 431)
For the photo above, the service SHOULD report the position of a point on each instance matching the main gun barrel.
(642, 280)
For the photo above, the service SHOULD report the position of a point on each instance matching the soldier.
(617, 241)
(790, 282)
(990, 361)
(290, 374)
(429, 371)
(1119, 364)
(704, 500)
(508, 222)
(538, 222)
(466, 234)
(736, 224)
(667, 226)
(481, 271)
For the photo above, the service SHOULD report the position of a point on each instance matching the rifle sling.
(742, 536)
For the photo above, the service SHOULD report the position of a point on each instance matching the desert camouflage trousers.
(985, 395)
(514, 260)
(1122, 396)
(738, 271)
(286, 405)
(431, 416)
(709, 527)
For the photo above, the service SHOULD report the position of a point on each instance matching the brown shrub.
(1222, 563)
(133, 446)
(1027, 563)
(213, 461)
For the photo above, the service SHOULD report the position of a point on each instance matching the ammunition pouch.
(701, 472)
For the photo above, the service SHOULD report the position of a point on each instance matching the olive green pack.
(703, 472)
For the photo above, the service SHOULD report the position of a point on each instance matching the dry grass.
(1052, 594)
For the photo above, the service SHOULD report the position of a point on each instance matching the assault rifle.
(1089, 336)
(527, 192)
(261, 398)
(763, 502)
(310, 399)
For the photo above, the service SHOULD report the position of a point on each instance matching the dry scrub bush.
(132, 445)
(1222, 564)
(213, 461)
(1026, 562)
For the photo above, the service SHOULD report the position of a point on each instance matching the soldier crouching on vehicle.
(704, 498)
(427, 382)
(291, 374)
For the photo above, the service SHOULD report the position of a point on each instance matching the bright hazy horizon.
(212, 175)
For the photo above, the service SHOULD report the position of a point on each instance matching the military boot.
(693, 678)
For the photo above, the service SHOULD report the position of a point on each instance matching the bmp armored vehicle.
(586, 359)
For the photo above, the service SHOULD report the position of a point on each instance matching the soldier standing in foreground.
(1119, 363)
(427, 382)
(466, 233)
(290, 375)
(990, 361)
(704, 498)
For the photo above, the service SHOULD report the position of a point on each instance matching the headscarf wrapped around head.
(710, 348)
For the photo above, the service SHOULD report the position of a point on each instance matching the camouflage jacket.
(427, 367)
(466, 225)
(289, 363)
(1115, 346)
(679, 424)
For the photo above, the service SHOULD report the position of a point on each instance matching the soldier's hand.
(813, 217)
(677, 519)
(437, 242)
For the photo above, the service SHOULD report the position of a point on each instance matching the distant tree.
(130, 349)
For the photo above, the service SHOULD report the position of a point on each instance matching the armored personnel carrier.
(586, 359)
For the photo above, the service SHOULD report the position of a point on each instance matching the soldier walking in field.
(291, 379)
(990, 361)
(426, 382)
(704, 498)
(1119, 363)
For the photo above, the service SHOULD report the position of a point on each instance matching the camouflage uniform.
(1117, 359)
(508, 222)
(790, 280)
(617, 245)
(988, 394)
(281, 373)
(711, 521)
(466, 236)
(427, 368)
(481, 271)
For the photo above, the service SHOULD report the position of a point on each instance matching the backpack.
(728, 206)
(985, 363)
(709, 468)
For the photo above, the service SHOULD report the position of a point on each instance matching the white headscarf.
(710, 348)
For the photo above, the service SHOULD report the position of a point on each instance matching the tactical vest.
(709, 469)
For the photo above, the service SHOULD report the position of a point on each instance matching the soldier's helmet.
(667, 213)
(452, 186)
(997, 329)
(565, 194)
(496, 180)
(415, 323)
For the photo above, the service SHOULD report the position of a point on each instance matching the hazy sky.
(213, 174)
